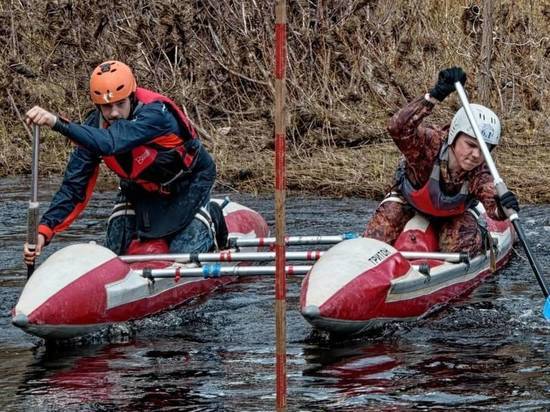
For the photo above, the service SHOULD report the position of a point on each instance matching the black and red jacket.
(162, 159)
(165, 171)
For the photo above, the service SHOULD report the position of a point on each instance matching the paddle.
(501, 189)
(32, 215)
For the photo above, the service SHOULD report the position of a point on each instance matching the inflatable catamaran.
(356, 285)
(364, 283)
(84, 287)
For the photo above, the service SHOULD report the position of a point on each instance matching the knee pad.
(122, 209)
(222, 233)
(212, 216)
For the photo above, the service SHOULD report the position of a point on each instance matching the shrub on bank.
(351, 65)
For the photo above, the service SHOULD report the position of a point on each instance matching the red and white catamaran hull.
(84, 287)
(364, 283)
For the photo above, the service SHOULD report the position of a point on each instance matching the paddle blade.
(546, 310)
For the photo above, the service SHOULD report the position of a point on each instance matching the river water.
(490, 351)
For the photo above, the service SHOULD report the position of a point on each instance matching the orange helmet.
(111, 81)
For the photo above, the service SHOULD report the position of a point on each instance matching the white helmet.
(487, 121)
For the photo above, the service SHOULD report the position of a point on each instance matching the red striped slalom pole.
(280, 187)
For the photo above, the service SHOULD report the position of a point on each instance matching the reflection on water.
(489, 351)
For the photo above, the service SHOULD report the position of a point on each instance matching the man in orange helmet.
(166, 175)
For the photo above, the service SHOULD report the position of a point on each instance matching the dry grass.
(351, 65)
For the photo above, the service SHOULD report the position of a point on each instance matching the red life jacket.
(430, 198)
(161, 161)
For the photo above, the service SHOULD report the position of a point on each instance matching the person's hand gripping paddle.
(502, 192)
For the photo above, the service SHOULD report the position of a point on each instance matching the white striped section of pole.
(280, 187)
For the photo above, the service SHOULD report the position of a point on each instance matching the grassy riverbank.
(351, 65)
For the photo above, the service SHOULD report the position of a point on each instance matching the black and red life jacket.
(156, 164)
(430, 198)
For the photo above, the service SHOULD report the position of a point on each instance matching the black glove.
(508, 201)
(446, 82)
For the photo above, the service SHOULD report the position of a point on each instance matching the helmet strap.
(135, 105)
(451, 158)
(102, 120)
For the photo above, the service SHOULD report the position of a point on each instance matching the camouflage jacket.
(420, 145)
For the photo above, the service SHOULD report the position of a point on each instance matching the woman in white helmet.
(442, 173)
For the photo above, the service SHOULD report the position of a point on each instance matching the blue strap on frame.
(211, 271)
(350, 235)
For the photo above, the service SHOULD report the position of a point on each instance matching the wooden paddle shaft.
(33, 210)
(32, 225)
